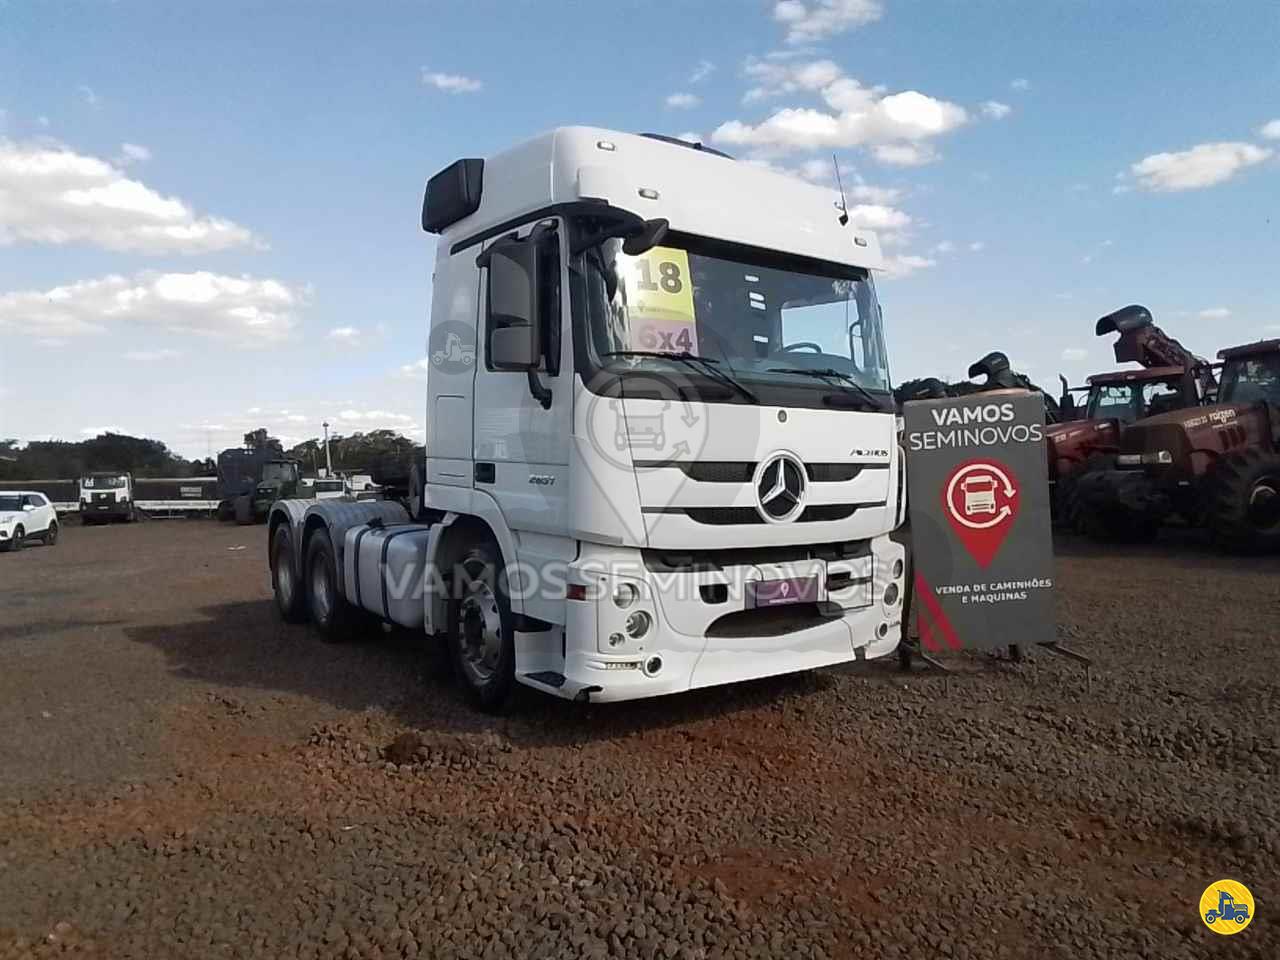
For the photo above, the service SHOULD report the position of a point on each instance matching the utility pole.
(328, 460)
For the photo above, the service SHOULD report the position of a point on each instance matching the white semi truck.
(717, 318)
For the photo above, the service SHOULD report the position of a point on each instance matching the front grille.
(729, 516)
(741, 471)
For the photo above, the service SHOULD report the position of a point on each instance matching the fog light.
(891, 595)
(638, 624)
(882, 631)
(616, 639)
(624, 595)
(897, 569)
(652, 666)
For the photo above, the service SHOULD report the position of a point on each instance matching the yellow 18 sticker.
(1226, 906)
(660, 302)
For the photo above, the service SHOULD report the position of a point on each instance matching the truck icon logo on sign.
(981, 500)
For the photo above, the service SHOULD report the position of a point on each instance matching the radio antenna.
(844, 206)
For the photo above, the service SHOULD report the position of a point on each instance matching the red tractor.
(1173, 378)
(1216, 466)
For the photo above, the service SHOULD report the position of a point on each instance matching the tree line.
(145, 457)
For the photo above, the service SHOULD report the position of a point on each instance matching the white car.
(26, 515)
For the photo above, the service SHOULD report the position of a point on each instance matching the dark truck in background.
(251, 479)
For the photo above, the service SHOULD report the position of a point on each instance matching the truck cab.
(661, 448)
(106, 496)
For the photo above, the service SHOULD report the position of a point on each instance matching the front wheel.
(481, 634)
(51, 535)
(333, 616)
(290, 597)
(1244, 501)
(19, 539)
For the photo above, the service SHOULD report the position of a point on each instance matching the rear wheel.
(51, 535)
(1243, 501)
(334, 618)
(481, 634)
(291, 599)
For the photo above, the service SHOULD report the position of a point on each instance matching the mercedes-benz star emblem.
(780, 488)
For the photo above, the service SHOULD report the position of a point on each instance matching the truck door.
(521, 448)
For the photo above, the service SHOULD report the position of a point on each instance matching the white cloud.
(904, 154)
(977, 246)
(451, 82)
(995, 110)
(1270, 130)
(1020, 83)
(1072, 354)
(150, 356)
(347, 335)
(1215, 313)
(97, 431)
(875, 216)
(946, 246)
(415, 371)
(1204, 165)
(87, 95)
(133, 153)
(243, 311)
(53, 195)
(683, 101)
(903, 266)
(861, 116)
(703, 70)
(809, 22)
(372, 416)
(689, 136)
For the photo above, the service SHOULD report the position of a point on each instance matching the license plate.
(776, 593)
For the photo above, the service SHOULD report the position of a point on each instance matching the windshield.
(762, 318)
(1252, 379)
(277, 471)
(10, 502)
(102, 483)
(1133, 400)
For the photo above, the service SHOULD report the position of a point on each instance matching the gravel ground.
(181, 775)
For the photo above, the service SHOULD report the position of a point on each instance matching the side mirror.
(513, 304)
(28, 507)
(646, 238)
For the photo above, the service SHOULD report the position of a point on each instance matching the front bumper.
(105, 508)
(693, 643)
(1134, 491)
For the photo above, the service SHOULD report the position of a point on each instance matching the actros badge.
(981, 501)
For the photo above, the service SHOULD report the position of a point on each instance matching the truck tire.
(290, 594)
(334, 618)
(244, 510)
(1243, 501)
(481, 631)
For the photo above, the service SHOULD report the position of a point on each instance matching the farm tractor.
(1088, 439)
(1228, 909)
(1217, 466)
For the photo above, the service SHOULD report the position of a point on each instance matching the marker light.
(891, 595)
(624, 595)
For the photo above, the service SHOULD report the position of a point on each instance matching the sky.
(209, 214)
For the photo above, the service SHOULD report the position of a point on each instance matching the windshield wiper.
(830, 374)
(706, 364)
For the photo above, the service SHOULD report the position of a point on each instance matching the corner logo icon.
(1226, 907)
(780, 488)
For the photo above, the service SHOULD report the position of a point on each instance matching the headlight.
(624, 595)
(1151, 459)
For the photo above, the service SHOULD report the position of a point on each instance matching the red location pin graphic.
(981, 500)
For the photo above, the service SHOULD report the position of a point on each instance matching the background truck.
(1088, 437)
(250, 479)
(586, 267)
(106, 496)
(1216, 466)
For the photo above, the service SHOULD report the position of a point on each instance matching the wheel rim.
(284, 577)
(1264, 503)
(321, 595)
(480, 633)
